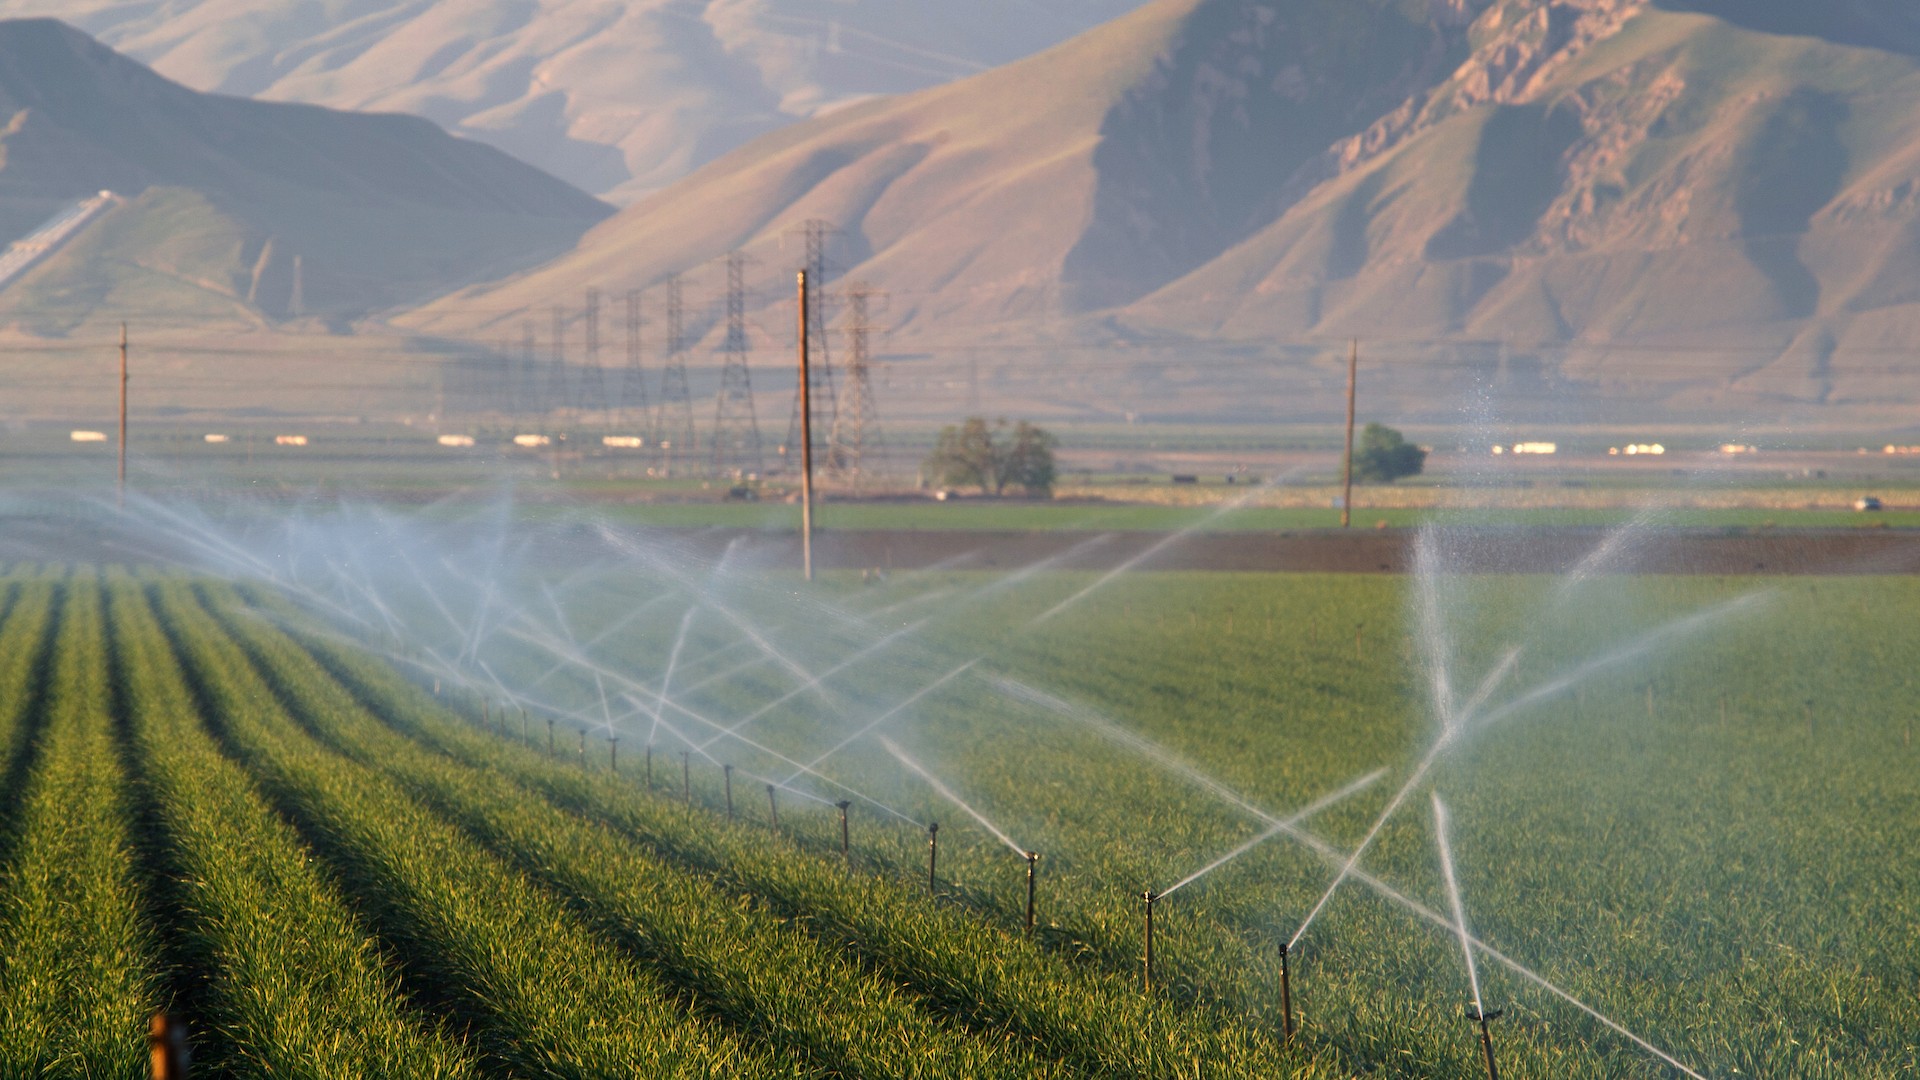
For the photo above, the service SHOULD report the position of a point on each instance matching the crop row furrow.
(77, 979)
(740, 963)
(539, 991)
(26, 652)
(292, 986)
(987, 978)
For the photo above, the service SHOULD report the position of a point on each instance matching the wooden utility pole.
(806, 443)
(120, 488)
(1346, 497)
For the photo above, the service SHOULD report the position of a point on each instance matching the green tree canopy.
(989, 457)
(1384, 455)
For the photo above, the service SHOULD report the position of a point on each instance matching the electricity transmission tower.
(854, 448)
(527, 388)
(593, 382)
(736, 434)
(632, 401)
(559, 383)
(826, 408)
(674, 434)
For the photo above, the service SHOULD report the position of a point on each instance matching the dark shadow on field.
(32, 719)
(437, 995)
(970, 1008)
(683, 974)
(188, 967)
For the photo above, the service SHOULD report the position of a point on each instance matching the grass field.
(219, 802)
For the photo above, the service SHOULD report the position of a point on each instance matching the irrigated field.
(1687, 804)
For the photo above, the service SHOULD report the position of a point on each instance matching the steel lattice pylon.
(826, 406)
(736, 433)
(674, 431)
(632, 405)
(854, 447)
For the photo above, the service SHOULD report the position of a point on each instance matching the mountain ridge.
(1576, 180)
(618, 99)
(219, 191)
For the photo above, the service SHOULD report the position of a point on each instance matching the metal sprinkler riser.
(933, 855)
(1149, 897)
(1483, 1018)
(1286, 994)
(1033, 862)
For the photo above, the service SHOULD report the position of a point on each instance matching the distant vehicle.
(1867, 503)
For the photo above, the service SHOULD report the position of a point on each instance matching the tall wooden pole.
(806, 440)
(1346, 497)
(120, 488)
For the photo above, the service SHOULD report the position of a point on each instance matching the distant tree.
(963, 457)
(976, 454)
(1384, 455)
(1028, 461)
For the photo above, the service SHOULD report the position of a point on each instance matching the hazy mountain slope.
(616, 97)
(1735, 184)
(1092, 172)
(1683, 182)
(224, 194)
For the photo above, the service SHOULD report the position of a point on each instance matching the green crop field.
(339, 845)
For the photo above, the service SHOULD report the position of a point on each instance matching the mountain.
(1708, 201)
(232, 208)
(617, 98)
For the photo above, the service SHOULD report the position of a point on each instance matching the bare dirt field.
(1390, 551)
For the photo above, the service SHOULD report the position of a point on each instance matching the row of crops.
(330, 876)
(214, 806)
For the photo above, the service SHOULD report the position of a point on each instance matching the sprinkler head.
(1479, 1017)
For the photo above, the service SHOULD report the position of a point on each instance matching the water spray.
(1147, 971)
(846, 839)
(726, 773)
(1033, 865)
(933, 855)
(1476, 1009)
(773, 808)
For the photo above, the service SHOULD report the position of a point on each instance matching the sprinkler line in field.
(1159, 546)
(948, 794)
(1456, 726)
(662, 703)
(890, 713)
(1351, 789)
(1155, 752)
(843, 665)
(673, 658)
